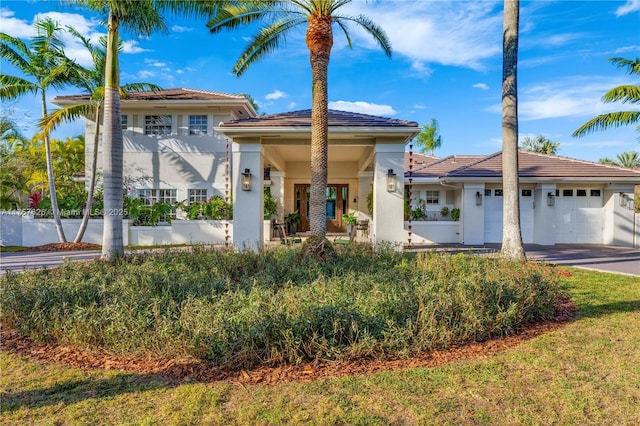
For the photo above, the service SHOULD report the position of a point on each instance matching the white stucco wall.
(472, 215)
(388, 207)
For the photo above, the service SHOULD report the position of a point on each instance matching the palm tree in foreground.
(511, 236)
(43, 61)
(142, 17)
(626, 93)
(319, 17)
(91, 80)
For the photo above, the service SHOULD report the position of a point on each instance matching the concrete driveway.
(619, 260)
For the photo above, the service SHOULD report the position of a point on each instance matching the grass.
(584, 373)
(245, 309)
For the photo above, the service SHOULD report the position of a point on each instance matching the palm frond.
(71, 113)
(632, 65)
(13, 87)
(606, 121)
(138, 87)
(372, 28)
(235, 15)
(626, 93)
(266, 41)
(15, 51)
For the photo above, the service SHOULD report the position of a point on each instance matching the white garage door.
(493, 215)
(579, 216)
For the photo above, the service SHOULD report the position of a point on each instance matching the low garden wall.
(433, 232)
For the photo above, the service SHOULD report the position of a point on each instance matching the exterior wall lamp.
(246, 180)
(624, 200)
(478, 198)
(391, 181)
(551, 199)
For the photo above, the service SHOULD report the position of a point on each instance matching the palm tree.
(511, 236)
(539, 144)
(626, 93)
(429, 139)
(628, 159)
(44, 62)
(142, 17)
(91, 80)
(319, 17)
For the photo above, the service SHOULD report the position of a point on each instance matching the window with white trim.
(432, 197)
(124, 121)
(197, 196)
(157, 124)
(197, 124)
(150, 197)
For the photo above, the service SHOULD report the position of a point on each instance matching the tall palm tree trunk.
(92, 181)
(112, 150)
(511, 235)
(319, 41)
(52, 187)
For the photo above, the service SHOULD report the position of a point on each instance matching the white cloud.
(627, 49)
(292, 105)
(629, 7)
(577, 96)
(449, 33)
(179, 29)
(481, 86)
(418, 106)
(363, 107)
(276, 94)
(131, 46)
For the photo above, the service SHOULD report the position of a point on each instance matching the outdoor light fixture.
(478, 198)
(624, 200)
(246, 180)
(391, 181)
(551, 199)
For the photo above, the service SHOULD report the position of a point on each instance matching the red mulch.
(64, 247)
(205, 371)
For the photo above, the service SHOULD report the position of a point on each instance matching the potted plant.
(455, 214)
(350, 219)
(444, 211)
(293, 220)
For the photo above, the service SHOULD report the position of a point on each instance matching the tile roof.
(419, 161)
(167, 95)
(535, 165)
(302, 118)
(442, 166)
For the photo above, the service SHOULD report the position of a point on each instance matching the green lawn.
(585, 373)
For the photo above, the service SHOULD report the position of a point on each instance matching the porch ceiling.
(278, 155)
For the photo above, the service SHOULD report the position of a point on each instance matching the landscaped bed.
(242, 310)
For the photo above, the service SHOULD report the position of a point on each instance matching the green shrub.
(243, 309)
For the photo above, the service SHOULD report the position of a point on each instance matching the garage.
(579, 216)
(493, 215)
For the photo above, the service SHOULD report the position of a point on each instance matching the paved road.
(598, 257)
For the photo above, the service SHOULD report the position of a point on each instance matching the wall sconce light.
(246, 180)
(624, 200)
(551, 199)
(478, 198)
(391, 181)
(355, 200)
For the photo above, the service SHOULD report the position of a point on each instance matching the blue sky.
(447, 64)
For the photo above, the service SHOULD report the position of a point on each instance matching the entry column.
(248, 203)
(388, 197)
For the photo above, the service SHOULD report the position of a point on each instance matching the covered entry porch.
(364, 174)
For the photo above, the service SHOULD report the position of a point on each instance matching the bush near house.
(244, 309)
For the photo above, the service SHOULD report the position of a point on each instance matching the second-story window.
(157, 124)
(197, 124)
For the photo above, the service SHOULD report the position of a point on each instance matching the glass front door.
(337, 198)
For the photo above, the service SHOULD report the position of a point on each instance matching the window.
(498, 192)
(157, 125)
(487, 193)
(197, 196)
(150, 197)
(581, 192)
(526, 193)
(595, 192)
(197, 124)
(124, 121)
(557, 192)
(432, 197)
(567, 192)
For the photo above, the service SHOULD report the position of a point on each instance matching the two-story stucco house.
(185, 144)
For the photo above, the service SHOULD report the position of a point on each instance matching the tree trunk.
(511, 236)
(52, 186)
(92, 181)
(112, 150)
(319, 41)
